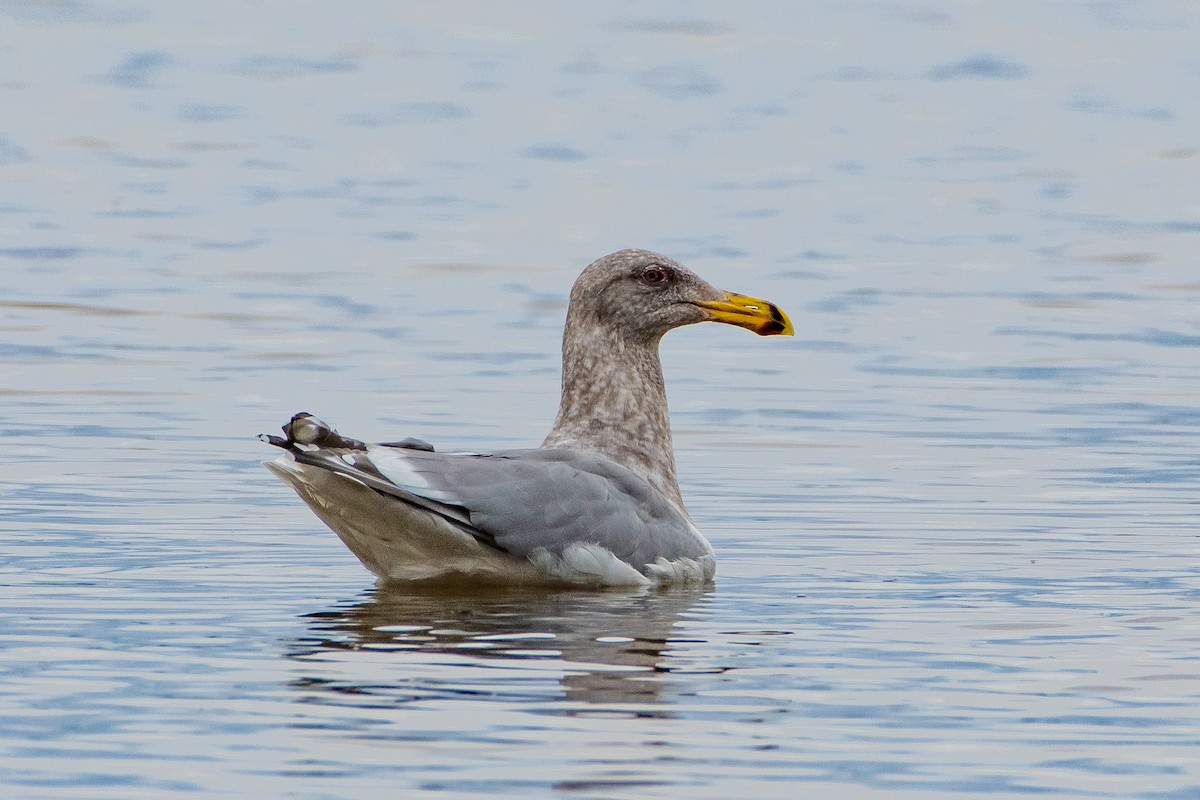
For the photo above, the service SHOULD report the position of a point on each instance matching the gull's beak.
(762, 317)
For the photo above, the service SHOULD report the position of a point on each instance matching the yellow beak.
(762, 317)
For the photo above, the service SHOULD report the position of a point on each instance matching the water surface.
(955, 517)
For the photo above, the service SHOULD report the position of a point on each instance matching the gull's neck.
(614, 404)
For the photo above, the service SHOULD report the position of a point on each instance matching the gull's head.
(642, 295)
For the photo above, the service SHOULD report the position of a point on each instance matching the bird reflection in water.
(605, 648)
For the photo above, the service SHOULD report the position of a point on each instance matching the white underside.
(401, 542)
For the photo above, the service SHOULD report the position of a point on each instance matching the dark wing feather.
(357, 464)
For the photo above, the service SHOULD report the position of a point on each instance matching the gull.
(596, 505)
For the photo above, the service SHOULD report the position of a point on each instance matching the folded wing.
(524, 501)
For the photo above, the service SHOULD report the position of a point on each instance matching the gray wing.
(523, 500)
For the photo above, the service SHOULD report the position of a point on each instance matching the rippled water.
(956, 517)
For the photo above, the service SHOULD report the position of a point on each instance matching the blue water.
(956, 517)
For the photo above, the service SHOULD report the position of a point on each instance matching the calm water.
(956, 516)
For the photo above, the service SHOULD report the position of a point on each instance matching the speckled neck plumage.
(614, 403)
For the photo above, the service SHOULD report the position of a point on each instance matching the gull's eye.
(655, 275)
